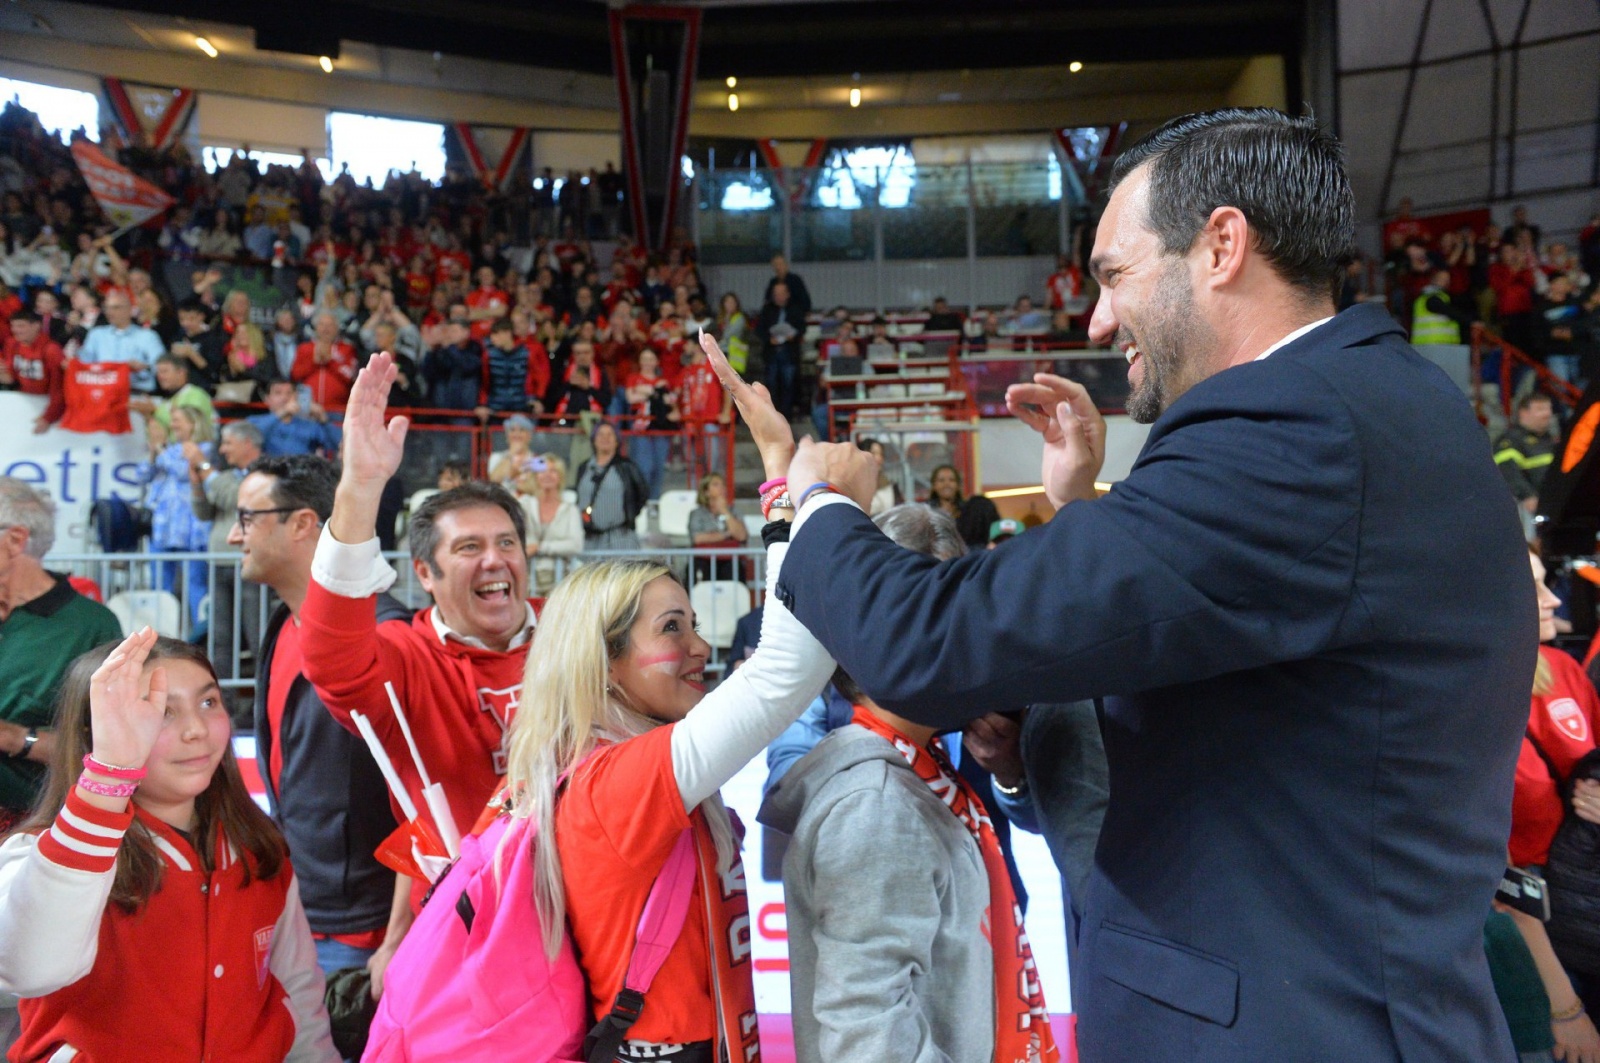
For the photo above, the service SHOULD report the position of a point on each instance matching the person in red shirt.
(1562, 718)
(706, 410)
(34, 365)
(325, 364)
(1513, 282)
(419, 284)
(618, 288)
(1065, 286)
(457, 666)
(616, 704)
(485, 303)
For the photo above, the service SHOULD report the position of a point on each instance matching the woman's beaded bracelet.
(111, 771)
(121, 789)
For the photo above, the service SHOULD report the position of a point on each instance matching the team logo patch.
(501, 705)
(263, 942)
(1568, 715)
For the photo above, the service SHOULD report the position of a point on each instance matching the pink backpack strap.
(660, 925)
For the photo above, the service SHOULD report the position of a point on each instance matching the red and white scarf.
(1022, 1024)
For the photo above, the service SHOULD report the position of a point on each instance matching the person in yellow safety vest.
(1526, 450)
(1435, 318)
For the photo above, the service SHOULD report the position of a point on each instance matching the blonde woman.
(173, 526)
(615, 704)
(555, 529)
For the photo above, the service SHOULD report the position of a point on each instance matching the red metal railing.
(1483, 339)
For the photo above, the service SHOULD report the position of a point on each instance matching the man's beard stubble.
(1173, 338)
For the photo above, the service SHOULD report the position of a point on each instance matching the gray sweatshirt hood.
(838, 751)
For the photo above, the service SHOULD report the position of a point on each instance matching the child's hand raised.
(125, 721)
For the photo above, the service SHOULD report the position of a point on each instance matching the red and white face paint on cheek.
(667, 664)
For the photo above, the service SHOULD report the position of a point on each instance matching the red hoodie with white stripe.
(209, 968)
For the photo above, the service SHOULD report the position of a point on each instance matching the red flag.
(126, 199)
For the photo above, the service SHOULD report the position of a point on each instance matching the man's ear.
(303, 524)
(424, 572)
(13, 541)
(1224, 243)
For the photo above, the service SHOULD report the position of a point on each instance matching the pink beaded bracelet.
(121, 789)
(111, 771)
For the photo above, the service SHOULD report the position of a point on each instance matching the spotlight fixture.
(733, 101)
(325, 63)
(206, 46)
(1074, 66)
(733, 82)
(855, 97)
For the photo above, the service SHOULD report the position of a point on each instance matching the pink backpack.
(472, 982)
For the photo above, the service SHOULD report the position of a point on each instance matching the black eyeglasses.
(243, 517)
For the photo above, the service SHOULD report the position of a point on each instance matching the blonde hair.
(567, 706)
(205, 429)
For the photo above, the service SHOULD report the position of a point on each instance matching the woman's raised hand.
(123, 721)
(773, 436)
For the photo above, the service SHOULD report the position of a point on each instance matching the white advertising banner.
(74, 468)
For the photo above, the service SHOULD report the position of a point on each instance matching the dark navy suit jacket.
(1312, 594)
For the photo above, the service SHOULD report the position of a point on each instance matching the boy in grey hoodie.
(887, 894)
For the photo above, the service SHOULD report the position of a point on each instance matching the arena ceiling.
(782, 38)
(924, 66)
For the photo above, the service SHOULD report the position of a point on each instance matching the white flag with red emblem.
(124, 197)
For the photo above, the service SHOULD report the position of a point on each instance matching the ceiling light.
(326, 63)
(1074, 66)
(733, 101)
(206, 46)
(732, 82)
(855, 97)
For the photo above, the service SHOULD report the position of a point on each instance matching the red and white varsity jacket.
(208, 969)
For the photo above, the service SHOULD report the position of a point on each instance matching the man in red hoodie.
(457, 667)
(33, 364)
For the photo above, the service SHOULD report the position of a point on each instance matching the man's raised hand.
(1074, 434)
(851, 471)
(373, 450)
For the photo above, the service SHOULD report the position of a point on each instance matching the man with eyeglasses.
(322, 784)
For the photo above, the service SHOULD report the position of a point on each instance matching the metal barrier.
(229, 613)
(436, 436)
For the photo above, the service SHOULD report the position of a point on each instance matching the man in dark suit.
(1310, 593)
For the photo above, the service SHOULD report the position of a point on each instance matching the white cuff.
(351, 570)
(814, 503)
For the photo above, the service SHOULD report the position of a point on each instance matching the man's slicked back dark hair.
(301, 481)
(1284, 173)
(424, 530)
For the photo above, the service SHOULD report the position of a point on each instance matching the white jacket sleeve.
(293, 963)
(351, 570)
(53, 892)
(752, 706)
